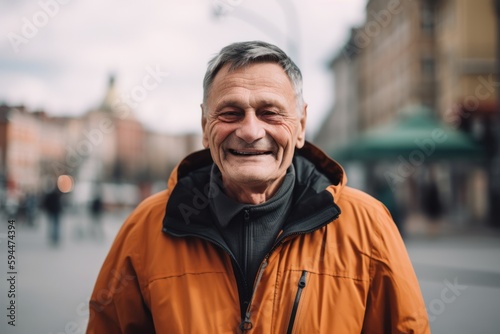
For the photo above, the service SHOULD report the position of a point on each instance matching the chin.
(250, 176)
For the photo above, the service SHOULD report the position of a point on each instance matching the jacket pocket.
(298, 295)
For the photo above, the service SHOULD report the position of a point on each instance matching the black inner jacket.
(188, 212)
(250, 230)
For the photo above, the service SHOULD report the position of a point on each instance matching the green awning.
(417, 135)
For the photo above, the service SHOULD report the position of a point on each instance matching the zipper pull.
(295, 307)
(246, 324)
(246, 215)
(302, 281)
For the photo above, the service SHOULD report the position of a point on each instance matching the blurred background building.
(407, 57)
(106, 148)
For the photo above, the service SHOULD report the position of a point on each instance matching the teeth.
(248, 153)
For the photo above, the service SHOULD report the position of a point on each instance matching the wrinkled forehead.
(264, 84)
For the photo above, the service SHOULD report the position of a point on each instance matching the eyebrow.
(227, 103)
(264, 103)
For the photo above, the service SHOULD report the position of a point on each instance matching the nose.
(250, 129)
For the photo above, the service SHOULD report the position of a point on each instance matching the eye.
(230, 115)
(270, 115)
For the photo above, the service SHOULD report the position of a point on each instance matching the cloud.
(64, 67)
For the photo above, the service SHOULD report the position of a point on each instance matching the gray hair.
(241, 54)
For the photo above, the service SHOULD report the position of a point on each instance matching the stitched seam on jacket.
(183, 274)
(333, 275)
(276, 289)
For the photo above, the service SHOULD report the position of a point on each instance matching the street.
(460, 281)
(459, 276)
(54, 283)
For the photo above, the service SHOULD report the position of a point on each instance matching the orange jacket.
(350, 274)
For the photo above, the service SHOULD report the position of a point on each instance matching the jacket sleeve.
(395, 303)
(117, 304)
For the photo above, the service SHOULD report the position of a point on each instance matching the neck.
(252, 194)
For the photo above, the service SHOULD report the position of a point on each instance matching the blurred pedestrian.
(96, 208)
(385, 194)
(53, 206)
(12, 203)
(30, 208)
(432, 205)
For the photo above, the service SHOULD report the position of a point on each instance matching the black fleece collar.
(226, 208)
(188, 212)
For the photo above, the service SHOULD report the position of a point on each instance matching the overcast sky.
(60, 61)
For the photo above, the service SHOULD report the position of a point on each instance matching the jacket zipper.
(300, 288)
(246, 217)
(246, 324)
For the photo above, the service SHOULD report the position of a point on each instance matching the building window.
(427, 17)
(428, 67)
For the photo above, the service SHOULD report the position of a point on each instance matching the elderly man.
(259, 232)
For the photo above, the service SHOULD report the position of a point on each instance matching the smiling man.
(252, 125)
(258, 233)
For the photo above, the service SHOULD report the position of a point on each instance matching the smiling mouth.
(248, 153)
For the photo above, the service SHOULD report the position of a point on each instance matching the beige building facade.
(440, 54)
(467, 58)
(342, 122)
(397, 59)
(105, 147)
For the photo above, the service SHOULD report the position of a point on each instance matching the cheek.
(218, 132)
(286, 136)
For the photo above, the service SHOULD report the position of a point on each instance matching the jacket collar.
(188, 212)
(326, 165)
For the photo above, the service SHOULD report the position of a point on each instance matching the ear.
(203, 125)
(301, 136)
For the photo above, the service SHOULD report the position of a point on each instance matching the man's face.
(251, 124)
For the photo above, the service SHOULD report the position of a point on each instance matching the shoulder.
(153, 203)
(367, 220)
(352, 199)
(147, 216)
